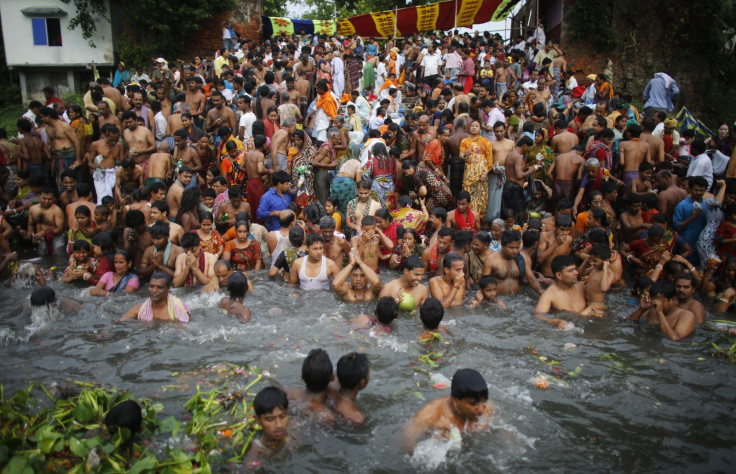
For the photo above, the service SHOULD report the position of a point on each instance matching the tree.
(89, 13)
(274, 8)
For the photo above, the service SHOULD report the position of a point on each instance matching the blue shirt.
(270, 202)
(657, 95)
(683, 211)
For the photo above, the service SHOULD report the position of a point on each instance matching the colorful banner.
(436, 16)
(274, 26)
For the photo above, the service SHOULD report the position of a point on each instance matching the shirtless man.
(631, 153)
(506, 266)
(136, 237)
(220, 115)
(173, 197)
(141, 110)
(193, 266)
(656, 144)
(501, 146)
(317, 373)
(467, 409)
(195, 99)
(33, 154)
(566, 294)
(566, 172)
(513, 193)
(449, 288)
(669, 194)
(255, 169)
(337, 249)
(632, 221)
(408, 290)
(105, 115)
(462, 217)
(365, 285)
(102, 157)
(139, 141)
(62, 140)
(419, 139)
(46, 223)
(563, 141)
(460, 98)
(598, 275)
(69, 186)
(161, 255)
(294, 94)
(159, 165)
(280, 146)
(368, 242)
(665, 311)
(159, 212)
(453, 161)
(555, 243)
(302, 87)
(188, 155)
(111, 93)
(685, 289)
(434, 255)
(128, 178)
(159, 301)
(232, 208)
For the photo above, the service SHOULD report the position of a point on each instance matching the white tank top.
(320, 282)
(281, 244)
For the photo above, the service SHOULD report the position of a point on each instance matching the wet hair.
(317, 370)
(189, 240)
(601, 251)
(206, 216)
(126, 415)
(560, 262)
(161, 276)
(237, 283)
(510, 236)
(44, 295)
(468, 383)
(413, 262)
(439, 212)
(82, 210)
(268, 399)
(105, 241)
(161, 205)
(102, 209)
(313, 238)
(486, 280)
(463, 195)
(134, 218)
(126, 255)
(529, 238)
(364, 184)
(387, 310)
(645, 166)
(664, 288)
(656, 231)
(368, 221)
(672, 268)
(352, 369)
(446, 232)
(296, 236)
(432, 312)
(234, 192)
(384, 214)
(160, 229)
(448, 259)
(563, 220)
(641, 284)
(84, 190)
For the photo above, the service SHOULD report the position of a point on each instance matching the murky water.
(621, 398)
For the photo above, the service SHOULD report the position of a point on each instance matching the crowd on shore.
(485, 166)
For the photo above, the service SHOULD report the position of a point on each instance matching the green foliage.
(590, 20)
(89, 13)
(274, 8)
(9, 115)
(72, 97)
(131, 53)
(325, 10)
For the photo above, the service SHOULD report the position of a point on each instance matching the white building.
(45, 52)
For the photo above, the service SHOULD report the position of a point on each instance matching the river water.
(621, 396)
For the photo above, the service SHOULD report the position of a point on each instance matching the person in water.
(386, 311)
(431, 314)
(160, 305)
(271, 407)
(314, 271)
(408, 290)
(317, 373)
(353, 375)
(237, 287)
(467, 409)
(45, 296)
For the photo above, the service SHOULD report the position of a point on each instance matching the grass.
(9, 118)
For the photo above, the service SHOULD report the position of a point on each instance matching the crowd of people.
(486, 166)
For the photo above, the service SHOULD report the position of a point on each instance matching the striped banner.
(274, 26)
(435, 16)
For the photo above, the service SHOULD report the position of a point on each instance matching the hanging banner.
(436, 16)
(274, 26)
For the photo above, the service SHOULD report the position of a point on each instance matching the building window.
(46, 31)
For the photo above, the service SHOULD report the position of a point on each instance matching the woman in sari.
(647, 253)
(380, 169)
(410, 246)
(120, 279)
(343, 185)
(301, 156)
(541, 153)
(242, 252)
(409, 218)
(209, 239)
(390, 228)
(478, 156)
(428, 186)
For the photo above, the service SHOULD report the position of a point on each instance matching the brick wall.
(245, 19)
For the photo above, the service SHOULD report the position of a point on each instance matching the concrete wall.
(75, 50)
(246, 20)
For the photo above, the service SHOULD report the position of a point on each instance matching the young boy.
(271, 406)
(431, 314)
(642, 184)
(600, 276)
(208, 198)
(79, 262)
(487, 293)
(386, 311)
(102, 218)
(159, 165)
(317, 373)
(237, 286)
(368, 242)
(353, 375)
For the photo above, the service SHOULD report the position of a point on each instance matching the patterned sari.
(548, 157)
(213, 244)
(301, 173)
(409, 218)
(479, 162)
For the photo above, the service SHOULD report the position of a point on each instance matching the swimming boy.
(317, 373)
(386, 311)
(237, 286)
(272, 412)
(466, 409)
(353, 375)
(431, 314)
(487, 293)
(600, 276)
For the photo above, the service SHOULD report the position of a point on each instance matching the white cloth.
(246, 121)
(322, 122)
(496, 115)
(338, 77)
(160, 130)
(431, 64)
(701, 166)
(380, 73)
(104, 179)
